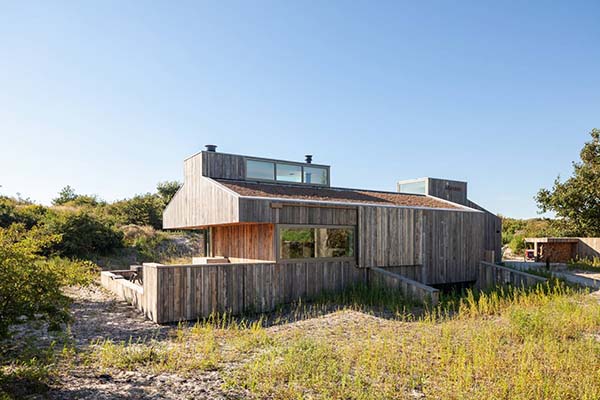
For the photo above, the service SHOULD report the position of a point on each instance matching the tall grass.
(539, 343)
(586, 264)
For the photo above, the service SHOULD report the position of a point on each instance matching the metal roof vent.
(211, 147)
(308, 158)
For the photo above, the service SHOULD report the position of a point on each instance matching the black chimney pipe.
(211, 147)
(308, 158)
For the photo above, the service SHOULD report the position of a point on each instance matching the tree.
(576, 201)
(64, 196)
(139, 210)
(166, 190)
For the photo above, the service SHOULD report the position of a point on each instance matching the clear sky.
(110, 97)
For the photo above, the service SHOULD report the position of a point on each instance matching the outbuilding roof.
(329, 194)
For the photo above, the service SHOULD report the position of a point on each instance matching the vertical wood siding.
(223, 166)
(491, 275)
(245, 241)
(260, 210)
(588, 248)
(448, 244)
(187, 292)
(410, 288)
(200, 201)
(454, 191)
(492, 236)
(390, 237)
(454, 246)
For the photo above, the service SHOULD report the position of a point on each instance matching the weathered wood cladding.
(414, 272)
(268, 211)
(245, 241)
(452, 246)
(454, 191)
(491, 275)
(390, 237)
(187, 292)
(588, 247)
(411, 288)
(448, 244)
(200, 201)
(492, 233)
(223, 166)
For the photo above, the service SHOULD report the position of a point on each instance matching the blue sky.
(110, 97)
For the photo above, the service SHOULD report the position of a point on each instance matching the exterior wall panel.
(188, 292)
(447, 245)
(245, 241)
(200, 201)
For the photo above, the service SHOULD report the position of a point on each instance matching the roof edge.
(357, 204)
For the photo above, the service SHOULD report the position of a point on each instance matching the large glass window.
(285, 172)
(260, 170)
(315, 175)
(289, 173)
(307, 242)
(417, 187)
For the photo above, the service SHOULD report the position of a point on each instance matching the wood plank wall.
(223, 166)
(588, 248)
(253, 210)
(200, 201)
(187, 292)
(448, 244)
(410, 288)
(390, 237)
(454, 191)
(245, 241)
(414, 272)
(452, 246)
(492, 239)
(491, 275)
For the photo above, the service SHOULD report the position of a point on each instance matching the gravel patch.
(99, 315)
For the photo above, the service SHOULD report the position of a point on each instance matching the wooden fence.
(410, 288)
(124, 289)
(491, 275)
(186, 292)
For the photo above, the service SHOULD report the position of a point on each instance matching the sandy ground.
(99, 315)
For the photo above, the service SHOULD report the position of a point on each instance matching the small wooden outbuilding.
(563, 249)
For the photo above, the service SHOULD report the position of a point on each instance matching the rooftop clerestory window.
(262, 170)
(417, 187)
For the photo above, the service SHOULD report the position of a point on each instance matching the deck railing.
(491, 275)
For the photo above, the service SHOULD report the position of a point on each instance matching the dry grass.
(586, 264)
(537, 344)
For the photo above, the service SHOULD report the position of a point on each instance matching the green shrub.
(82, 234)
(15, 212)
(140, 210)
(166, 190)
(586, 264)
(30, 286)
(517, 244)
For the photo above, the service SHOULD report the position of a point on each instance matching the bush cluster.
(43, 249)
(30, 284)
(514, 231)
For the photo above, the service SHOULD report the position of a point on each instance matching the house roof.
(552, 240)
(338, 195)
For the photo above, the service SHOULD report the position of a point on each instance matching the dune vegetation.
(526, 344)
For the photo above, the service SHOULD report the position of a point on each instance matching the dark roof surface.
(255, 189)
